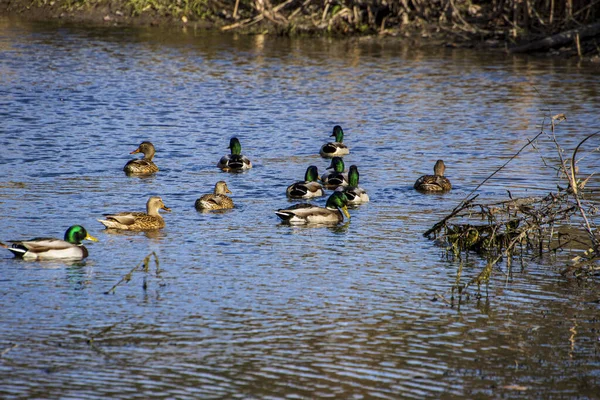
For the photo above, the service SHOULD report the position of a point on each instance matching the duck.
(218, 200)
(354, 193)
(145, 165)
(434, 183)
(138, 221)
(308, 188)
(234, 162)
(305, 213)
(53, 249)
(335, 178)
(337, 148)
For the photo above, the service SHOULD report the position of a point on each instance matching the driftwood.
(559, 39)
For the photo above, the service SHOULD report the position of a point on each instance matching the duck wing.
(304, 189)
(309, 213)
(432, 183)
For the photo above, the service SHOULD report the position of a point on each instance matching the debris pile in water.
(526, 227)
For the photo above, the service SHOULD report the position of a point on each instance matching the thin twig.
(529, 142)
(14, 345)
(127, 277)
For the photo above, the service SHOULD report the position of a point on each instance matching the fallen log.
(560, 39)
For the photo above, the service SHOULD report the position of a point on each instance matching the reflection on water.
(247, 307)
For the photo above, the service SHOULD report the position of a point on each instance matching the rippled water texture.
(243, 306)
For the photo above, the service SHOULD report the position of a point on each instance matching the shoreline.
(121, 13)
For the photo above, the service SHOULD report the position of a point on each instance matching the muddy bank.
(530, 28)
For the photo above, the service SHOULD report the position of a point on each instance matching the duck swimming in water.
(337, 148)
(234, 162)
(335, 178)
(145, 165)
(218, 200)
(355, 194)
(437, 182)
(332, 213)
(138, 221)
(307, 188)
(51, 248)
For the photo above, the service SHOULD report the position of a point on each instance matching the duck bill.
(135, 151)
(90, 237)
(167, 209)
(345, 211)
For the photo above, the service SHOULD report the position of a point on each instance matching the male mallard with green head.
(335, 178)
(337, 148)
(145, 165)
(234, 162)
(308, 188)
(218, 200)
(305, 213)
(138, 221)
(355, 194)
(434, 183)
(51, 248)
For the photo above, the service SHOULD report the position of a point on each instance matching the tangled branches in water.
(526, 226)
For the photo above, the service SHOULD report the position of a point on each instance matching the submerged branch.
(533, 225)
(145, 263)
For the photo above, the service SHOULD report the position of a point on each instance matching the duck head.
(338, 133)
(76, 234)
(312, 174)
(337, 164)
(338, 200)
(235, 146)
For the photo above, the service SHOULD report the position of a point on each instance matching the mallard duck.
(143, 166)
(335, 178)
(138, 221)
(312, 214)
(307, 188)
(53, 249)
(354, 193)
(337, 148)
(436, 182)
(217, 200)
(235, 161)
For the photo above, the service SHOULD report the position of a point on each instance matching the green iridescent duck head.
(76, 234)
(337, 164)
(353, 176)
(338, 133)
(235, 146)
(338, 200)
(312, 174)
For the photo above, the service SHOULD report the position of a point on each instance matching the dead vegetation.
(518, 229)
(518, 25)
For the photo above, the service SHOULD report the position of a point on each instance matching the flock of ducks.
(345, 186)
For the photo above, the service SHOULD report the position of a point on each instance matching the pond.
(243, 306)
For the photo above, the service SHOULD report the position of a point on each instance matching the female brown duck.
(218, 200)
(145, 165)
(138, 221)
(436, 183)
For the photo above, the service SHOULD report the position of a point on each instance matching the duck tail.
(108, 224)
(284, 215)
